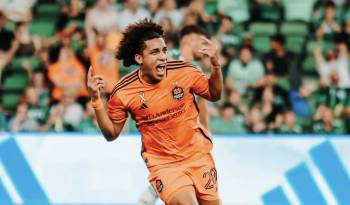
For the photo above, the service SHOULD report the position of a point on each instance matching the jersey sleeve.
(117, 112)
(200, 83)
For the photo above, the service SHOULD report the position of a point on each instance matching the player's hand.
(95, 84)
(209, 49)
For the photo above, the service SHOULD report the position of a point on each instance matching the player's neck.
(147, 79)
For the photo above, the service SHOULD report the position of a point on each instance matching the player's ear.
(138, 59)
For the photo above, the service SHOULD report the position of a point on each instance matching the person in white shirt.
(132, 13)
(336, 61)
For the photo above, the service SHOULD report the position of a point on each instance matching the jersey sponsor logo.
(178, 92)
(142, 101)
(159, 185)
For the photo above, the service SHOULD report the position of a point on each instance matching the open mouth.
(161, 69)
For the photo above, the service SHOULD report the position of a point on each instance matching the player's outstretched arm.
(210, 50)
(109, 129)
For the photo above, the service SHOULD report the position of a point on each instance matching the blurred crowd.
(285, 63)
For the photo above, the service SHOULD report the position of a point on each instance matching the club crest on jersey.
(142, 101)
(178, 92)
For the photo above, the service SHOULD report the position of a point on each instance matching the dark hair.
(329, 4)
(223, 17)
(191, 29)
(279, 38)
(134, 37)
(248, 47)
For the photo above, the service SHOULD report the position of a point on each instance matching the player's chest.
(161, 99)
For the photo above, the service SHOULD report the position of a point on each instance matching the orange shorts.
(198, 176)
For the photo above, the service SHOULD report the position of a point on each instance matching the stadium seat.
(48, 11)
(283, 83)
(16, 81)
(10, 100)
(262, 29)
(210, 7)
(262, 43)
(295, 33)
(310, 47)
(11, 26)
(309, 66)
(16, 63)
(294, 28)
(42, 28)
(261, 33)
(295, 44)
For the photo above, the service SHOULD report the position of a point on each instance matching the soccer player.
(190, 43)
(160, 97)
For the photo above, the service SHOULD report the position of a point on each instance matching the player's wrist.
(97, 103)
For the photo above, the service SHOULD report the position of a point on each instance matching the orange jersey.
(166, 113)
(104, 64)
(70, 72)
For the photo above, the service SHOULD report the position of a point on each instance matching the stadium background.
(286, 72)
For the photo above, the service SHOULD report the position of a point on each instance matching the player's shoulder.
(124, 82)
(179, 65)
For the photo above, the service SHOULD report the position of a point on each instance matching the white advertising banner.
(86, 169)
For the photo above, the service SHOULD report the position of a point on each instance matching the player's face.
(154, 58)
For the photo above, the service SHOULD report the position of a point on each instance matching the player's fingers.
(100, 86)
(90, 73)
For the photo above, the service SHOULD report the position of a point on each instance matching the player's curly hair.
(134, 37)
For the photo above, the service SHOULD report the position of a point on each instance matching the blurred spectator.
(190, 43)
(256, 123)
(71, 18)
(298, 9)
(243, 73)
(328, 26)
(325, 123)
(299, 100)
(334, 67)
(229, 121)
(337, 99)
(271, 103)
(39, 82)
(65, 115)
(28, 44)
(103, 61)
(228, 36)
(66, 73)
(238, 10)
(279, 62)
(88, 122)
(102, 18)
(153, 7)
(289, 124)
(8, 46)
(190, 19)
(131, 13)
(197, 7)
(3, 119)
(267, 10)
(170, 33)
(169, 10)
(20, 122)
(17, 10)
(30, 115)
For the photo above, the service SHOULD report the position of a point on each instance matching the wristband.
(97, 104)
